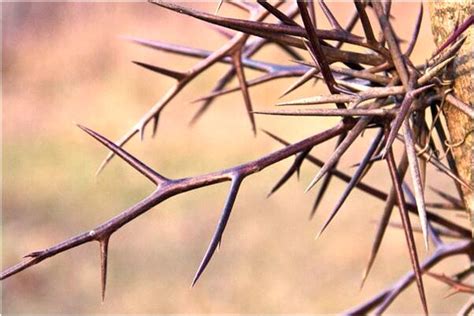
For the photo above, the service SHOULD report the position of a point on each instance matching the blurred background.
(66, 63)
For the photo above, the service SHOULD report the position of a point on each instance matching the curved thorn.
(416, 31)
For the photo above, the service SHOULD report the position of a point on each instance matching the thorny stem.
(167, 188)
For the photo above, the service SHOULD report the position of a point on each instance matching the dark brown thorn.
(416, 178)
(393, 44)
(152, 175)
(216, 238)
(340, 150)
(294, 168)
(259, 28)
(104, 250)
(156, 120)
(390, 202)
(325, 184)
(244, 88)
(316, 52)
(396, 179)
(302, 80)
(319, 196)
(455, 34)
(367, 27)
(315, 48)
(416, 31)
(277, 13)
(332, 20)
(167, 72)
(350, 26)
(355, 178)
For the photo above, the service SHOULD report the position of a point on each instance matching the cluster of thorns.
(378, 89)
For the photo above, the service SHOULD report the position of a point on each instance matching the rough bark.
(444, 17)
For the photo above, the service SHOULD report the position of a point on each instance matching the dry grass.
(63, 63)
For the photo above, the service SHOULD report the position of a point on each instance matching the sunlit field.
(68, 63)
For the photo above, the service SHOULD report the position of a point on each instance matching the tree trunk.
(444, 17)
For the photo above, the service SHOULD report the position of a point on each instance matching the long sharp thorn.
(416, 178)
(164, 71)
(332, 20)
(277, 13)
(340, 150)
(384, 220)
(369, 33)
(152, 175)
(355, 178)
(319, 196)
(216, 238)
(316, 50)
(393, 43)
(256, 27)
(104, 250)
(416, 31)
(237, 58)
(324, 184)
(455, 34)
(408, 231)
(302, 80)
